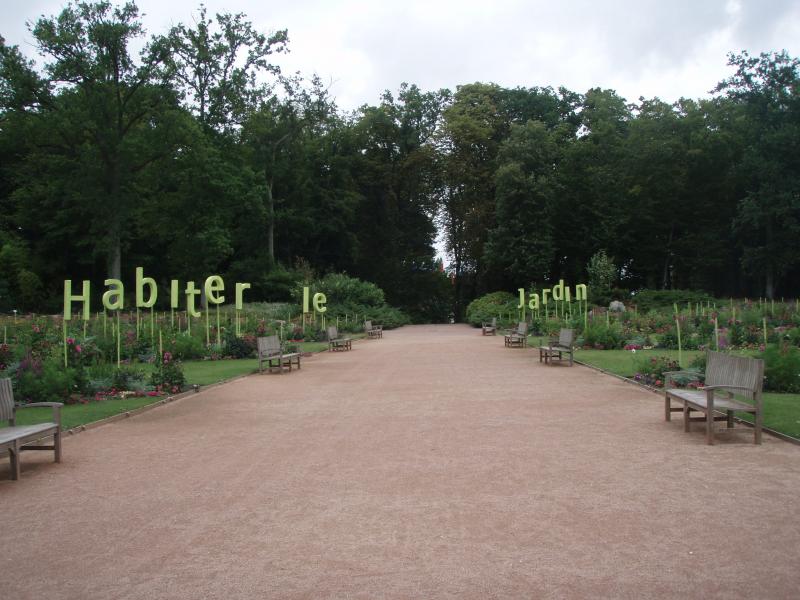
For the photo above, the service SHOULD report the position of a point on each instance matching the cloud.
(644, 47)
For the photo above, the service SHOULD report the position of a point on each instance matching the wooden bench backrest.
(269, 344)
(494, 322)
(724, 369)
(333, 333)
(367, 325)
(566, 337)
(522, 328)
(6, 400)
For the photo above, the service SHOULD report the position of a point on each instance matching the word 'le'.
(114, 297)
(318, 301)
(558, 292)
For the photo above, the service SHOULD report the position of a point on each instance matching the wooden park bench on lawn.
(725, 374)
(558, 347)
(518, 337)
(16, 438)
(336, 343)
(373, 331)
(270, 351)
(490, 328)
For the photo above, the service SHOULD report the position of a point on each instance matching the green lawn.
(73, 415)
(199, 372)
(781, 411)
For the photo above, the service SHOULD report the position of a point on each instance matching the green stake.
(65, 344)
(716, 332)
(119, 335)
(218, 334)
(680, 349)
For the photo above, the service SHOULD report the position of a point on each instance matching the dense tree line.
(197, 155)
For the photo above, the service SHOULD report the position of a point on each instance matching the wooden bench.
(518, 337)
(490, 328)
(16, 438)
(270, 351)
(335, 343)
(726, 377)
(558, 348)
(373, 331)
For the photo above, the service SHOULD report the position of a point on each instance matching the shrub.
(48, 381)
(602, 336)
(240, 347)
(484, 309)
(186, 347)
(343, 289)
(385, 315)
(651, 370)
(782, 369)
(127, 378)
(168, 376)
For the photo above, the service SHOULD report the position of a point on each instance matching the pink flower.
(78, 348)
(70, 341)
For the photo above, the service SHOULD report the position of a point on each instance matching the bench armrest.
(727, 388)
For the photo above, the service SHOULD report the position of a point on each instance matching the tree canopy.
(198, 155)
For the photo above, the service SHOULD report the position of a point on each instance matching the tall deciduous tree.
(217, 66)
(766, 91)
(100, 118)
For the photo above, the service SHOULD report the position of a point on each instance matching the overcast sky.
(644, 48)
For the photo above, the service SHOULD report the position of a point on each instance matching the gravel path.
(434, 463)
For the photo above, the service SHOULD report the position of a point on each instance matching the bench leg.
(709, 427)
(687, 413)
(667, 407)
(13, 455)
(730, 419)
(57, 446)
(757, 427)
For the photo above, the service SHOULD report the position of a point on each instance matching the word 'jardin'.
(114, 297)
(559, 292)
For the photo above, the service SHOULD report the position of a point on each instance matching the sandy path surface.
(434, 463)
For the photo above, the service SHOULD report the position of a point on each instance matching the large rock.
(616, 306)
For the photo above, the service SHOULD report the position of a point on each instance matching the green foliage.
(494, 305)
(650, 370)
(782, 369)
(167, 375)
(601, 336)
(184, 346)
(602, 274)
(48, 381)
(525, 184)
(385, 315)
(647, 300)
(240, 347)
(342, 289)
(128, 378)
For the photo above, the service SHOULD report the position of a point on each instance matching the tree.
(602, 274)
(766, 93)
(217, 67)
(98, 114)
(521, 247)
